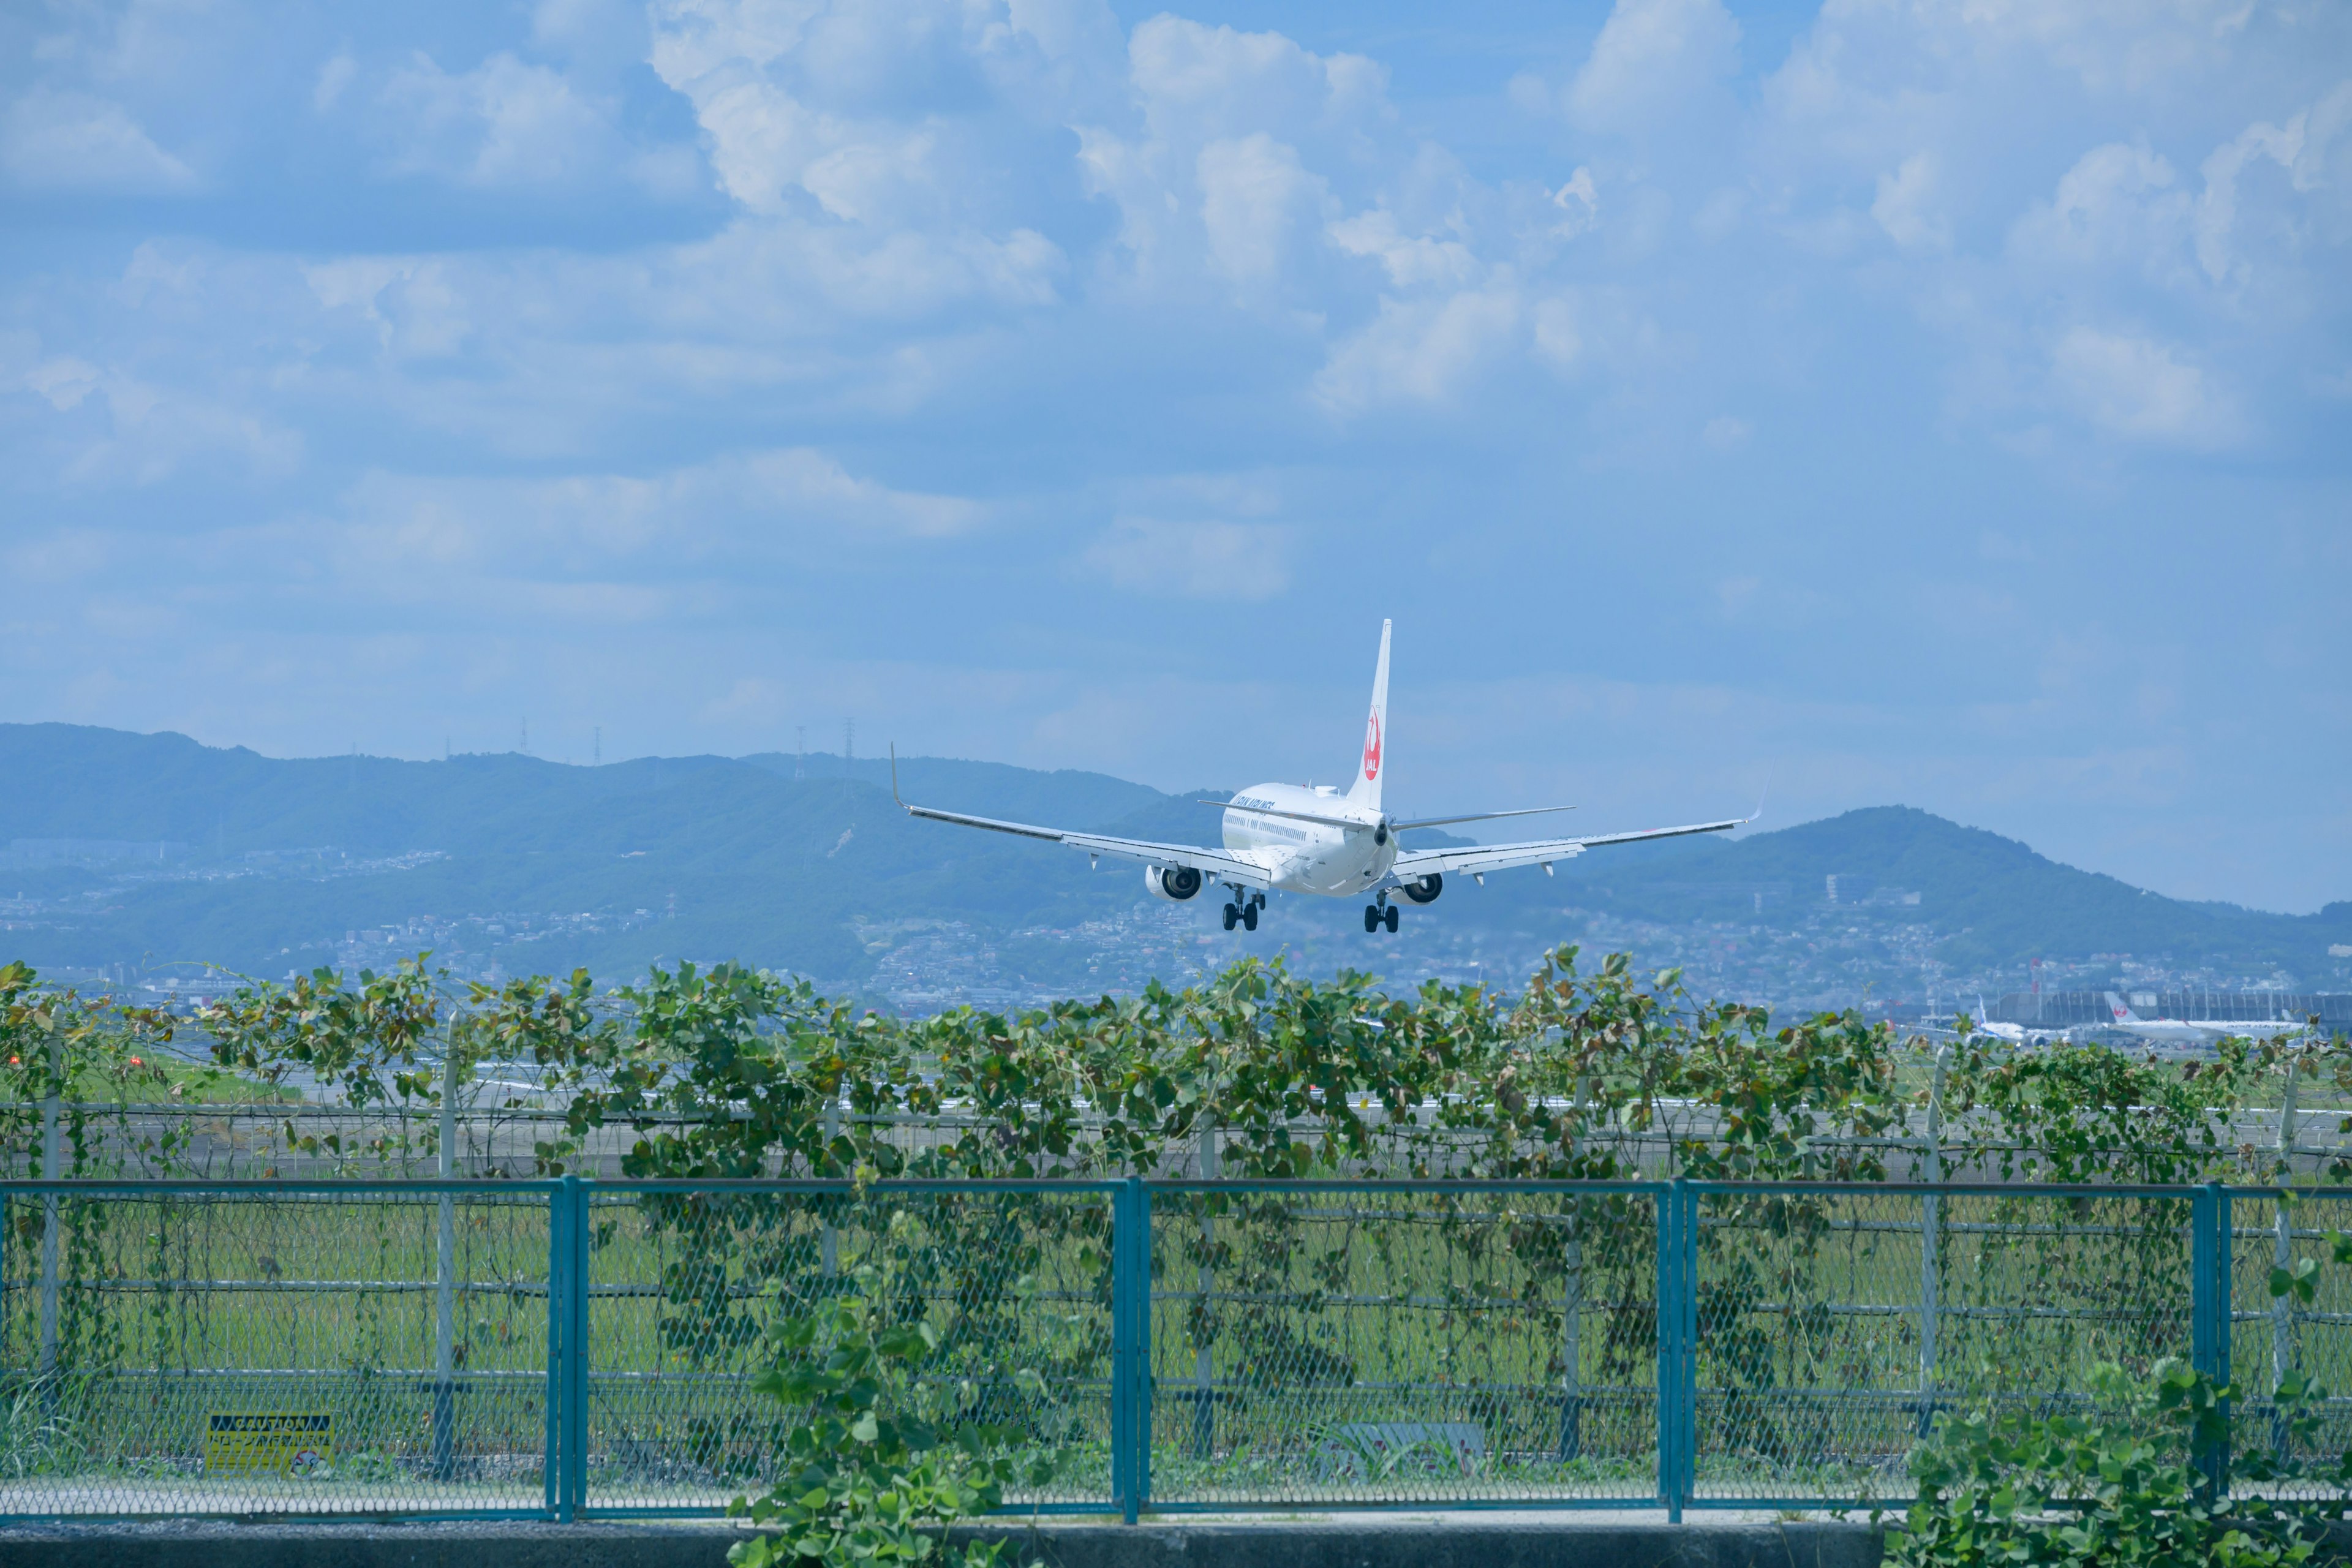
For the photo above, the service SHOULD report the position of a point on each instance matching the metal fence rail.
(571, 1348)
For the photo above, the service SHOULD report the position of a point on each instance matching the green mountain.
(725, 857)
(1991, 902)
(149, 850)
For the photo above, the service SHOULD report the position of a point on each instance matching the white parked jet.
(1315, 841)
(2015, 1034)
(2198, 1031)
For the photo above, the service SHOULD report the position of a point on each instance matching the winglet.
(894, 780)
(1759, 798)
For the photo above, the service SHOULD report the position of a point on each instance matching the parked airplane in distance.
(2197, 1031)
(2015, 1034)
(1312, 840)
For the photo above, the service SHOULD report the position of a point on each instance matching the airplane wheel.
(1249, 917)
(1371, 917)
(1233, 916)
(1393, 920)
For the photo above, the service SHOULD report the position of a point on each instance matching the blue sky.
(1913, 401)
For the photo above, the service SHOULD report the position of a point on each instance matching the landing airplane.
(2198, 1031)
(1312, 840)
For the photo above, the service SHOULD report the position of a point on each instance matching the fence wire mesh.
(268, 1352)
(1378, 1345)
(1834, 1325)
(2273, 1338)
(320, 1350)
(682, 1284)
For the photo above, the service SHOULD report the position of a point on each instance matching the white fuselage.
(2193, 1031)
(1340, 856)
(2019, 1035)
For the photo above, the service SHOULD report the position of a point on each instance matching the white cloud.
(2140, 389)
(2117, 205)
(1558, 337)
(1207, 560)
(1255, 199)
(1727, 433)
(1214, 82)
(920, 113)
(804, 483)
(333, 77)
(153, 434)
(1244, 139)
(825, 124)
(505, 124)
(1906, 208)
(2303, 148)
(415, 303)
(1419, 351)
(73, 142)
(689, 530)
(796, 489)
(63, 382)
(1652, 58)
(763, 141)
(1580, 200)
(1411, 260)
(1868, 77)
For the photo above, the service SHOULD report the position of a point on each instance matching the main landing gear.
(1384, 913)
(1243, 910)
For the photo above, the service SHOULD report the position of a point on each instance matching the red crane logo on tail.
(1372, 745)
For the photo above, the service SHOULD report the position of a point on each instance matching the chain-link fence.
(570, 1348)
(262, 1350)
(303, 1140)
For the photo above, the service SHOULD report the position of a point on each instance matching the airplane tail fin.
(2119, 1011)
(1366, 790)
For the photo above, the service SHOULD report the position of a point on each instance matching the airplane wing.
(1217, 865)
(1477, 860)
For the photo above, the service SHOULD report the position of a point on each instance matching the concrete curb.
(1420, 1542)
(1376, 1541)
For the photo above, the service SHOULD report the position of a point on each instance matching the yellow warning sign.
(291, 1442)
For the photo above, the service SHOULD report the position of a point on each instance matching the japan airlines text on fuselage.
(1313, 839)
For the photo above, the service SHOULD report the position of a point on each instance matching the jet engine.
(1176, 883)
(1423, 890)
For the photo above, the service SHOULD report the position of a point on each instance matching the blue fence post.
(1677, 1394)
(575, 1358)
(1665, 1203)
(2226, 1317)
(2209, 1311)
(1144, 1390)
(2223, 1367)
(1130, 1341)
(559, 1265)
